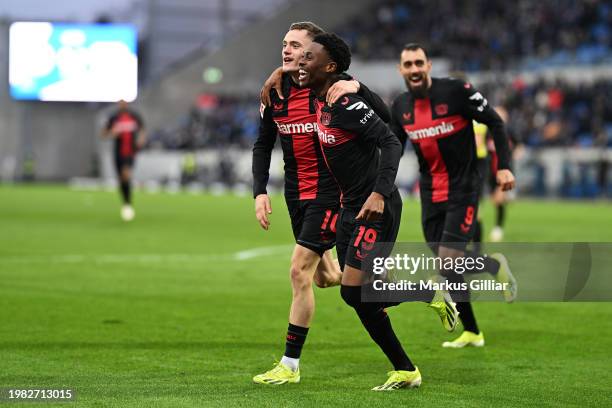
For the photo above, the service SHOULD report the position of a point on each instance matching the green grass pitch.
(174, 310)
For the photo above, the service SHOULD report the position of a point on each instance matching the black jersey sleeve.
(357, 117)
(395, 124)
(262, 151)
(375, 101)
(371, 98)
(477, 107)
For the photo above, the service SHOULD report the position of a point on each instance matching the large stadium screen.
(73, 62)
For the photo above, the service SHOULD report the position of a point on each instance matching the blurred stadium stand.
(484, 35)
(203, 62)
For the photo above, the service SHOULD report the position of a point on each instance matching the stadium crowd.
(484, 34)
(542, 114)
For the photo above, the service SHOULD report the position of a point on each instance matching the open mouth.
(302, 75)
(287, 60)
(416, 79)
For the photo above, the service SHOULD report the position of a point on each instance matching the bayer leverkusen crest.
(326, 118)
(441, 109)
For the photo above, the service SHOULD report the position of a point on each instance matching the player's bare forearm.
(341, 88)
(274, 81)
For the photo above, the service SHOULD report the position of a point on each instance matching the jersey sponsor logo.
(325, 137)
(357, 106)
(326, 118)
(345, 101)
(441, 109)
(278, 106)
(292, 128)
(442, 129)
(367, 116)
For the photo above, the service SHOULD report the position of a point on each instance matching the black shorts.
(313, 224)
(356, 238)
(451, 222)
(123, 161)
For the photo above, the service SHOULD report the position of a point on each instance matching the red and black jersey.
(128, 124)
(359, 148)
(294, 119)
(440, 129)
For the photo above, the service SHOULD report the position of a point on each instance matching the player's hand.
(274, 81)
(263, 207)
(373, 208)
(341, 88)
(505, 179)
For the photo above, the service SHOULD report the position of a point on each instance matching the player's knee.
(299, 276)
(351, 295)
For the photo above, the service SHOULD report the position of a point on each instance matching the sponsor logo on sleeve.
(357, 106)
(480, 101)
(366, 117)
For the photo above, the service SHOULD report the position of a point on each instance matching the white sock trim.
(292, 363)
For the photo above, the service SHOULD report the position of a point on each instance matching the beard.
(420, 91)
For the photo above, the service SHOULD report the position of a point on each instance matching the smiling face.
(315, 66)
(294, 43)
(415, 67)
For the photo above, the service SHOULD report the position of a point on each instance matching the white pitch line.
(262, 251)
(243, 255)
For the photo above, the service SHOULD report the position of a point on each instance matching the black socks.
(296, 336)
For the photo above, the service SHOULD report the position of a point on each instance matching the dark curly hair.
(338, 50)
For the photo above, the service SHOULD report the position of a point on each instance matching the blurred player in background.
(482, 162)
(436, 114)
(498, 195)
(126, 127)
(311, 193)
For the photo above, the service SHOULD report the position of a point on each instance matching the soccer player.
(498, 196)
(480, 134)
(126, 127)
(436, 114)
(363, 156)
(311, 193)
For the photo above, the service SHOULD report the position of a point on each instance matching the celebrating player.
(363, 156)
(126, 127)
(436, 115)
(311, 194)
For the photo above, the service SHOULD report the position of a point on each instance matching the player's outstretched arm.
(274, 81)
(478, 108)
